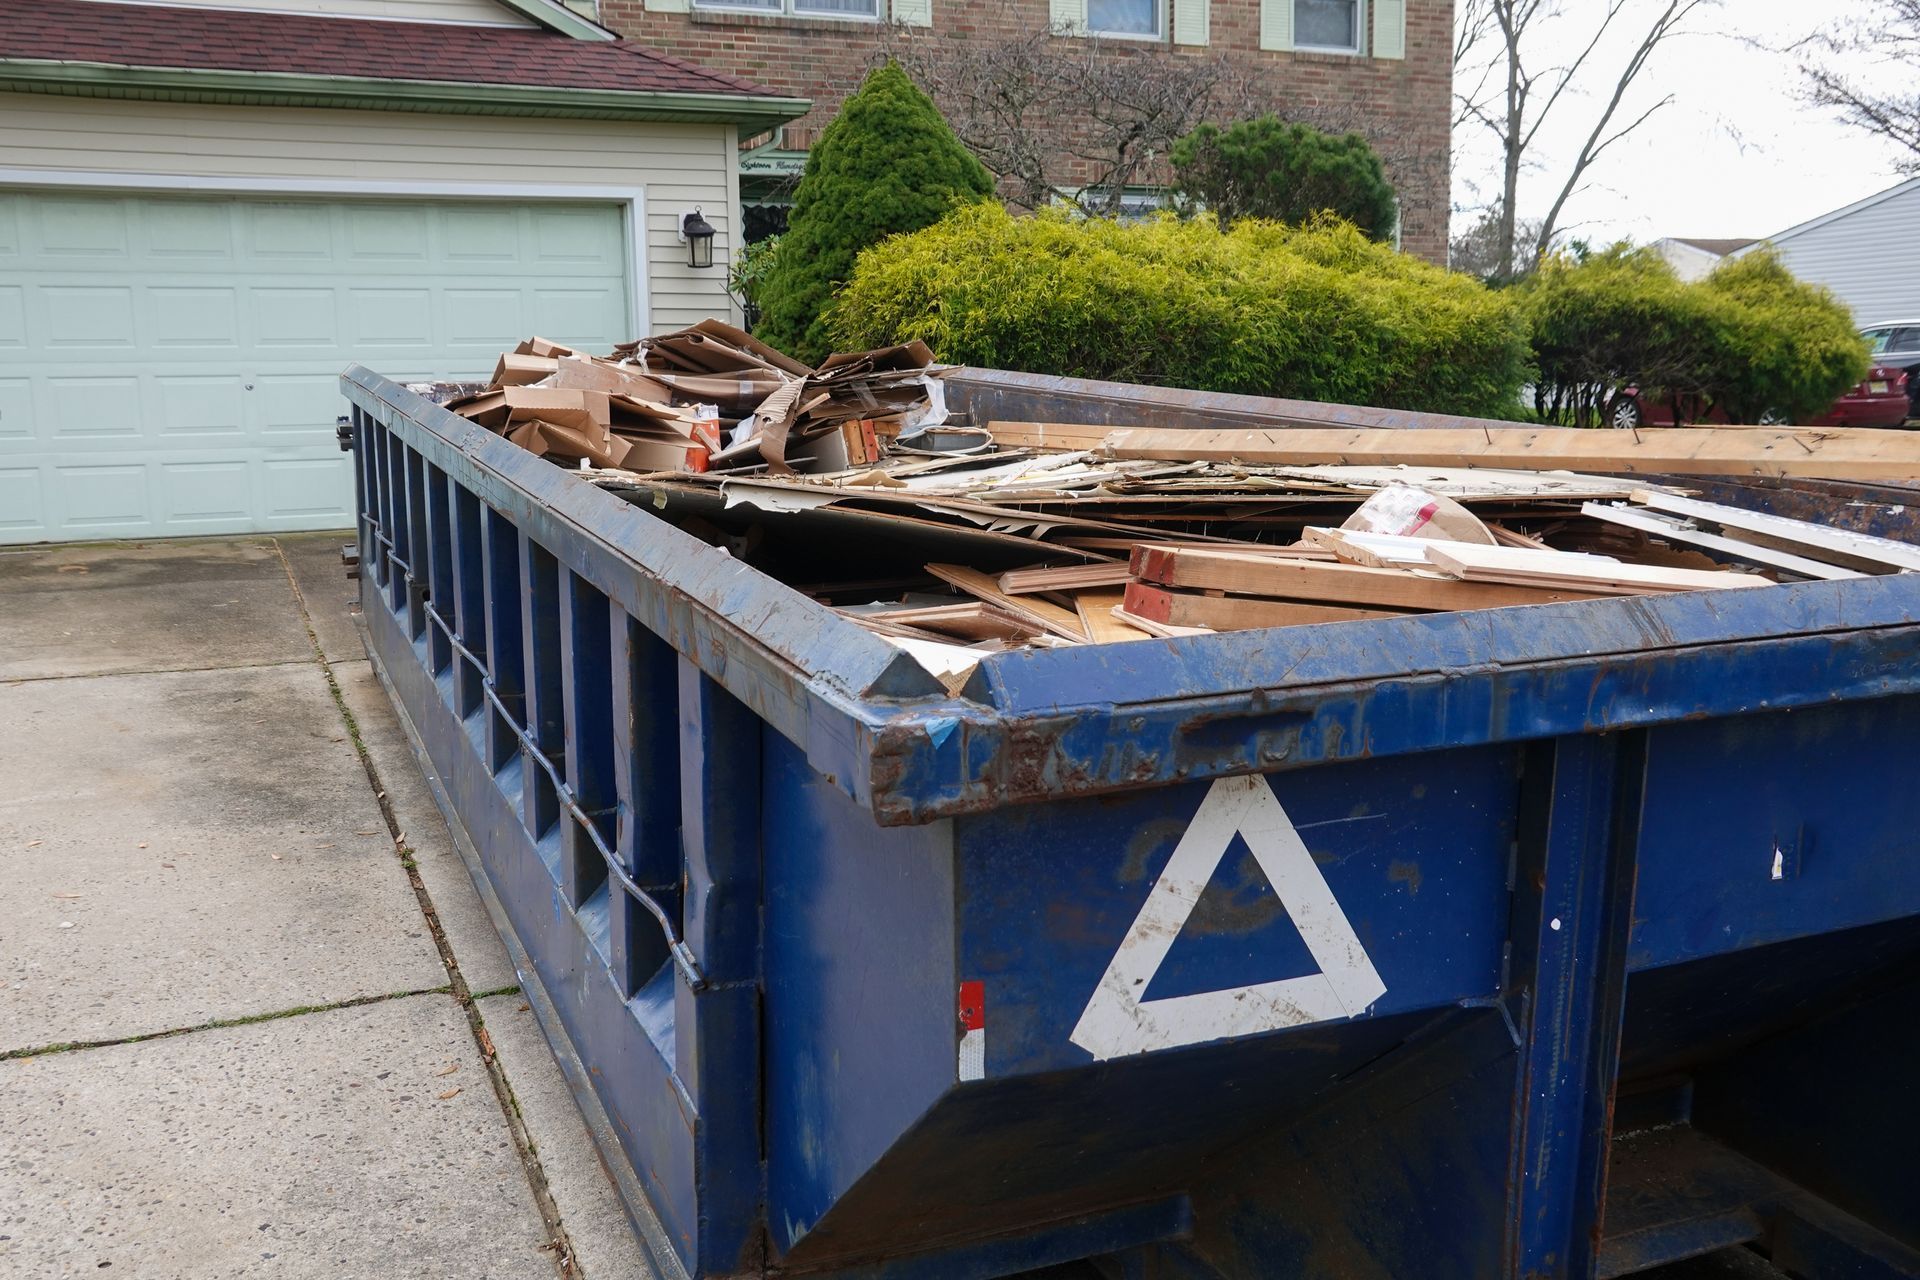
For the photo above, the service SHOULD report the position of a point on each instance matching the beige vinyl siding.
(467, 12)
(679, 166)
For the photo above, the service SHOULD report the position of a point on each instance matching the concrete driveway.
(253, 1017)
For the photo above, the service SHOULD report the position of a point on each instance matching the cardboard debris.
(954, 540)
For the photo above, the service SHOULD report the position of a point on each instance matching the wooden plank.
(1096, 615)
(1346, 584)
(1162, 630)
(1631, 518)
(1048, 617)
(1234, 613)
(1832, 453)
(1513, 565)
(1126, 547)
(1514, 538)
(1047, 435)
(1073, 577)
(1375, 550)
(1840, 546)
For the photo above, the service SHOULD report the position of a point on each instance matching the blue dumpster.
(1566, 941)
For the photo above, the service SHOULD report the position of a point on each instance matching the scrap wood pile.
(854, 484)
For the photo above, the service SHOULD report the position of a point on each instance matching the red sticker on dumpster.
(973, 1006)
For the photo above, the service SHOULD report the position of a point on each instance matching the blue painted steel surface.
(1461, 946)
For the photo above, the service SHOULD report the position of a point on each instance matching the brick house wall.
(1404, 106)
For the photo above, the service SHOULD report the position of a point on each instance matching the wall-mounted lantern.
(698, 234)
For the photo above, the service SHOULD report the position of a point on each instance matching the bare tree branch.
(1837, 64)
(1498, 48)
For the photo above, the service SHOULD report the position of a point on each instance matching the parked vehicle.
(1896, 345)
(1886, 397)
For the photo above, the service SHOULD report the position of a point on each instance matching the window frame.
(1360, 42)
(1161, 34)
(789, 9)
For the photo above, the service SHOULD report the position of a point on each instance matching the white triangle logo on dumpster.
(1117, 1022)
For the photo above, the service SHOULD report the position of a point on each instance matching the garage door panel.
(202, 232)
(86, 317)
(296, 403)
(482, 235)
(194, 317)
(307, 318)
(380, 320)
(171, 364)
(16, 409)
(205, 497)
(13, 316)
(10, 239)
(593, 318)
(102, 501)
(289, 232)
(90, 407)
(21, 518)
(306, 493)
(386, 236)
(201, 405)
(83, 228)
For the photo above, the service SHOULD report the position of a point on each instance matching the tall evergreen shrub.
(888, 163)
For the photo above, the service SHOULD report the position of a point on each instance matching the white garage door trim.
(632, 202)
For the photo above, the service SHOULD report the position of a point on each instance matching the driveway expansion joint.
(558, 1246)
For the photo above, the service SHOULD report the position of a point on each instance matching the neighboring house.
(1695, 260)
(1865, 253)
(207, 212)
(1383, 67)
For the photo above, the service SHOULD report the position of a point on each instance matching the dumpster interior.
(1542, 942)
(906, 497)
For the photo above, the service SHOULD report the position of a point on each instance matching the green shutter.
(1191, 21)
(1276, 24)
(1389, 28)
(913, 13)
(1070, 14)
(669, 6)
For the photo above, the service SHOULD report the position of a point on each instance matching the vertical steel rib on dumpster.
(829, 942)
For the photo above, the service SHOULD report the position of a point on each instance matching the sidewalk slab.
(316, 1145)
(464, 921)
(86, 610)
(185, 847)
(604, 1245)
(330, 595)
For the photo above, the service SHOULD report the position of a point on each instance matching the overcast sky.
(1736, 154)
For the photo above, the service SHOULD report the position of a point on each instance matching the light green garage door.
(170, 365)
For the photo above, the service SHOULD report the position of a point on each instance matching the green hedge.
(1750, 338)
(1314, 313)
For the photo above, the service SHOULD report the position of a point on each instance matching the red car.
(1880, 401)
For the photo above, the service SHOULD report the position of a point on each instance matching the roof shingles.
(166, 36)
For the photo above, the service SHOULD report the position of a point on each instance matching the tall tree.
(1502, 87)
(886, 164)
(1888, 40)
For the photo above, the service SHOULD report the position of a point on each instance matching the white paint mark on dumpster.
(1117, 1022)
(973, 1031)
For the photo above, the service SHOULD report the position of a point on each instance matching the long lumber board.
(1835, 453)
(1233, 613)
(1750, 553)
(1514, 566)
(1841, 546)
(1344, 584)
(1048, 617)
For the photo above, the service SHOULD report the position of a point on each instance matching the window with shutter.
(1328, 25)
